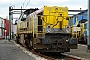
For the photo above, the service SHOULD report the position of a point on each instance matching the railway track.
(63, 56)
(34, 54)
(41, 56)
(83, 43)
(71, 57)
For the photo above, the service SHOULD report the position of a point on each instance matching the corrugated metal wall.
(7, 27)
(86, 29)
(80, 17)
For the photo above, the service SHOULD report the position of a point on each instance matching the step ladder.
(40, 34)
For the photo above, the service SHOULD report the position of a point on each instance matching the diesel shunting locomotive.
(46, 30)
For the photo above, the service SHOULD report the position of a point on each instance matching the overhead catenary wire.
(83, 6)
(23, 3)
(22, 11)
(28, 3)
(25, 7)
(10, 2)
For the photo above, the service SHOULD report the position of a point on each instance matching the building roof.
(80, 13)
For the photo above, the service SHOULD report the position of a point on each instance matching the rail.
(45, 57)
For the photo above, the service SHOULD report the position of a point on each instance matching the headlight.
(49, 29)
(67, 40)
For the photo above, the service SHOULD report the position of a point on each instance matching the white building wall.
(2, 23)
(2, 26)
(0, 32)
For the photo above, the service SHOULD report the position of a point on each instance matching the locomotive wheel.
(28, 44)
(31, 44)
(17, 41)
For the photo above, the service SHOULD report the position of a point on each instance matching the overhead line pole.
(88, 42)
(10, 18)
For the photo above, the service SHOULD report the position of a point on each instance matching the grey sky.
(71, 4)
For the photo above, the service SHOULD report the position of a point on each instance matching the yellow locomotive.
(79, 30)
(46, 30)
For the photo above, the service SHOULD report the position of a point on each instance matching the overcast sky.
(71, 4)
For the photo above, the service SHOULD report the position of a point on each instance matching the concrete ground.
(9, 51)
(80, 52)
